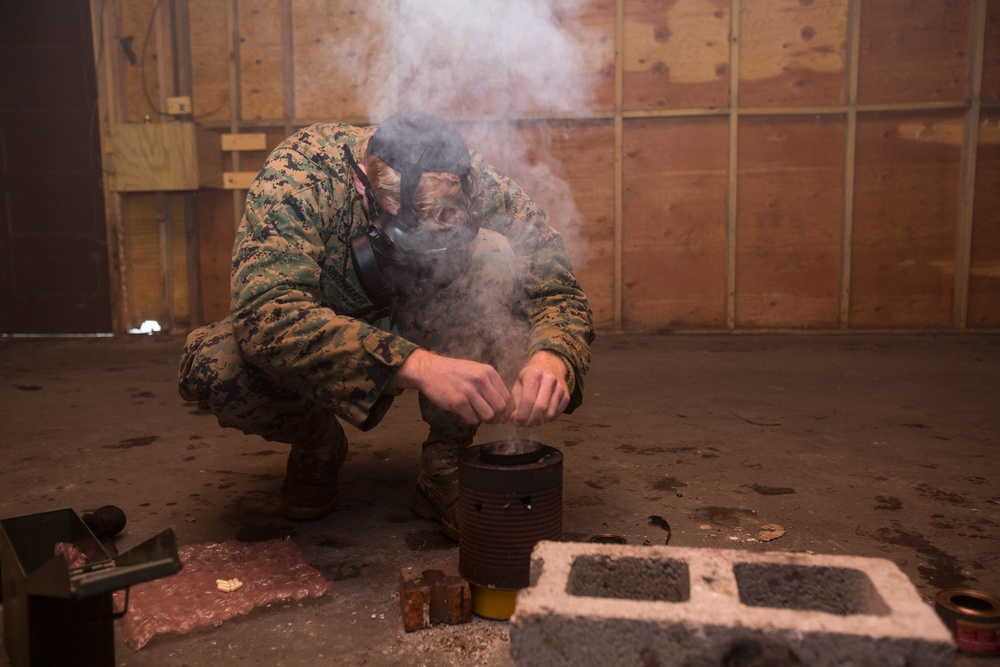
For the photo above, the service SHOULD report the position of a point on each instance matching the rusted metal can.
(510, 498)
(973, 617)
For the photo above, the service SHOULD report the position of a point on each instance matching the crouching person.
(376, 260)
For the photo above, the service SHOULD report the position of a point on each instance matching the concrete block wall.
(602, 604)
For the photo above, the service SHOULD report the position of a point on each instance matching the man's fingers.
(491, 406)
(528, 383)
(540, 406)
(491, 400)
(563, 404)
(544, 408)
(506, 401)
(481, 397)
(538, 399)
(473, 408)
(472, 390)
(465, 412)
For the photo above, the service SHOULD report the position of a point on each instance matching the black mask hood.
(396, 253)
(413, 142)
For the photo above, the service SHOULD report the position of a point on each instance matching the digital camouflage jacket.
(299, 312)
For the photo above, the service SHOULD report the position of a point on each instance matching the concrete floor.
(880, 446)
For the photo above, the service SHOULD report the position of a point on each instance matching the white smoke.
(484, 63)
(494, 67)
(495, 56)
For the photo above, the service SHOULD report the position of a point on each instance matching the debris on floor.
(655, 520)
(769, 532)
(269, 572)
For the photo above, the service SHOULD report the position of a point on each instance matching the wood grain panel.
(984, 278)
(360, 61)
(455, 58)
(788, 229)
(209, 60)
(154, 156)
(792, 53)
(140, 77)
(143, 259)
(568, 65)
(144, 253)
(991, 53)
(568, 169)
(492, 139)
(262, 94)
(674, 223)
(460, 59)
(178, 253)
(344, 59)
(216, 234)
(905, 217)
(913, 51)
(676, 54)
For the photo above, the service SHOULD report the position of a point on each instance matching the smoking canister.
(510, 498)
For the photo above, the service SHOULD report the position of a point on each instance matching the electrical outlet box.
(179, 106)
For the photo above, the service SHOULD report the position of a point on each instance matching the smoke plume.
(490, 66)
(483, 63)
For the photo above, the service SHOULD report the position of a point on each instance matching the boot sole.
(299, 513)
(423, 508)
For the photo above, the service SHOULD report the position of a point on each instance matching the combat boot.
(309, 491)
(436, 495)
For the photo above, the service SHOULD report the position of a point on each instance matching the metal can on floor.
(973, 617)
(510, 498)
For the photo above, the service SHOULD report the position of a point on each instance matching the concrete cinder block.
(602, 604)
(430, 595)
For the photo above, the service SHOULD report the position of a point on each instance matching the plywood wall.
(674, 223)
(788, 221)
(903, 251)
(984, 273)
(714, 165)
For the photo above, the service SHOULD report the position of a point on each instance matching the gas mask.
(397, 257)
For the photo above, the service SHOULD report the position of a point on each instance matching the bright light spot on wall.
(147, 327)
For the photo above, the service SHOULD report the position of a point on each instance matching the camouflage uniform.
(302, 342)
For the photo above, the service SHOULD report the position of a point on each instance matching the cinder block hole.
(834, 590)
(660, 580)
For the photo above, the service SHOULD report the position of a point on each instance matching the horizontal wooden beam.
(639, 114)
(238, 180)
(256, 141)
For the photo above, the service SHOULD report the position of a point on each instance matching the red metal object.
(973, 617)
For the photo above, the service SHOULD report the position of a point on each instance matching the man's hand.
(473, 391)
(540, 392)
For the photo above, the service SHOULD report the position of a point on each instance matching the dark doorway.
(53, 243)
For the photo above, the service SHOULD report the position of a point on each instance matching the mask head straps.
(373, 207)
(412, 143)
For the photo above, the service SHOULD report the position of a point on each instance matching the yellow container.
(492, 603)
